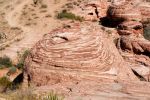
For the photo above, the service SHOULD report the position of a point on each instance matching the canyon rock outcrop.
(81, 61)
(136, 45)
(130, 27)
(80, 52)
(129, 10)
(91, 10)
(130, 15)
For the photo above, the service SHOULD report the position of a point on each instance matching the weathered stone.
(78, 53)
(92, 10)
(137, 45)
(130, 27)
(124, 11)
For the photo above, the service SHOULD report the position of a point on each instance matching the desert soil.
(34, 21)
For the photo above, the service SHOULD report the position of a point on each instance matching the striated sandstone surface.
(130, 27)
(79, 52)
(130, 10)
(124, 11)
(81, 62)
(134, 48)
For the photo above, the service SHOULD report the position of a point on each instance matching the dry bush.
(29, 95)
(69, 15)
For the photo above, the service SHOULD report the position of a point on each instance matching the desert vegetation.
(11, 69)
(147, 32)
(5, 62)
(5, 84)
(21, 59)
(68, 15)
(78, 48)
(29, 95)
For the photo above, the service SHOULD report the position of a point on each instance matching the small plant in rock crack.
(5, 84)
(22, 57)
(12, 70)
(69, 15)
(147, 32)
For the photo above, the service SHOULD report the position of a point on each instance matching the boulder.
(130, 27)
(124, 11)
(129, 10)
(82, 52)
(137, 45)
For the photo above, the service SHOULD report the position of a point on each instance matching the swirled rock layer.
(124, 11)
(129, 10)
(82, 52)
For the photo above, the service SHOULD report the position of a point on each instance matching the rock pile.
(130, 28)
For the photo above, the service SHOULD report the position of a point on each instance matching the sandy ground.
(34, 21)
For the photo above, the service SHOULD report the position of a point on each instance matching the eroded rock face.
(136, 45)
(145, 11)
(129, 10)
(130, 27)
(92, 10)
(82, 52)
(81, 61)
(124, 11)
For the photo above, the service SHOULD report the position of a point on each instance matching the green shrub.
(12, 70)
(2, 66)
(22, 59)
(69, 15)
(20, 65)
(5, 61)
(147, 33)
(4, 81)
(4, 84)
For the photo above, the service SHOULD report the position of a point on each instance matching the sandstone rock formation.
(80, 52)
(130, 14)
(81, 61)
(92, 10)
(129, 10)
(139, 46)
(124, 11)
(130, 27)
